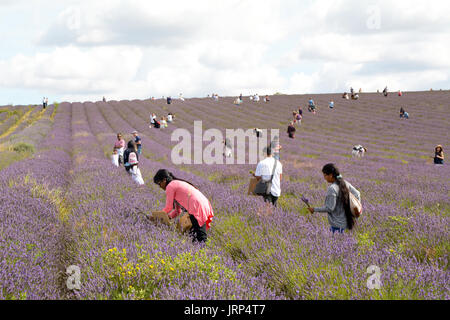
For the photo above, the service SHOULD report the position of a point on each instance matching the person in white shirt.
(169, 117)
(264, 171)
(256, 98)
(152, 119)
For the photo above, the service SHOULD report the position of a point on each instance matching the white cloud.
(136, 49)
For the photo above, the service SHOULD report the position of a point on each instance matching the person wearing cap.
(137, 140)
(438, 155)
(119, 147)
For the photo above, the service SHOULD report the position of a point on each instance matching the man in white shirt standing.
(264, 171)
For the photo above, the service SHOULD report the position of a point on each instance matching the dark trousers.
(271, 198)
(197, 233)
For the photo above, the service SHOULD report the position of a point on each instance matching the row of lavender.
(32, 239)
(284, 255)
(431, 278)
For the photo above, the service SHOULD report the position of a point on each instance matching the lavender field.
(65, 203)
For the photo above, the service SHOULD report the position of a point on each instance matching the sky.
(82, 50)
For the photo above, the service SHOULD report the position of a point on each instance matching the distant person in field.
(438, 155)
(355, 96)
(169, 117)
(227, 151)
(300, 111)
(240, 97)
(163, 122)
(138, 141)
(115, 158)
(294, 116)
(237, 101)
(181, 196)
(258, 132)
(360, 90)
(337, 200)
(404, 114)
(43, 103)
(311, 106)
(385, 91)
(169, 100)
(46, 102)
(345, 96)
(291, 130)
(157, 124)
(331, 104)
(152, 119)
(351, 91)
(400, 93)
(276, 147)
(104, 99)
(119, 147)
(256, 98)
(264, 171)
(181, 97)
(216, 97)
(266, 98)
(131, 158)
(298, 118)
(358, 151)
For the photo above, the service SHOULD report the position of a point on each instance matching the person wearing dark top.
(169, 100)
(131, 147)
(402, 112)
(137, 141)
(438, 155)
(291, 130)
(300, 111)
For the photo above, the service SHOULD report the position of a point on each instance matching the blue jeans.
(334, 229)
(139, 149)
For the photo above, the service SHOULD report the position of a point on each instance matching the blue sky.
(81, 50)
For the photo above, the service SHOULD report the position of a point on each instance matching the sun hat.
(134, 132)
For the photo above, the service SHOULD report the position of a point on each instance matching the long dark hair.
(168, 176)
(344, 195)
(132, 145)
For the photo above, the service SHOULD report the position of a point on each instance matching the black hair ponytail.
(344, 195)
(164, 174)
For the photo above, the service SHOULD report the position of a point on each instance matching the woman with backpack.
(337, 200)
(181, 196)
(131, 161)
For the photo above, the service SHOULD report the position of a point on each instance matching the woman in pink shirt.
(183, 196)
